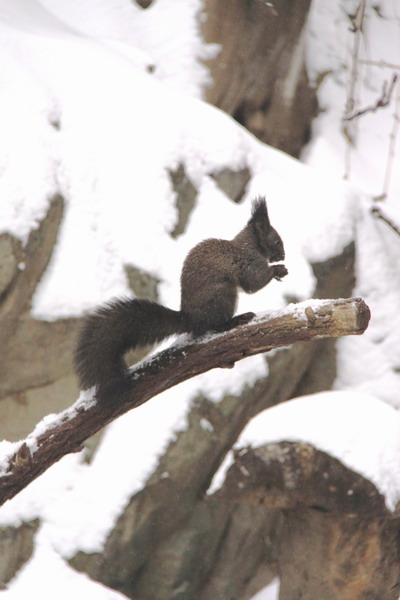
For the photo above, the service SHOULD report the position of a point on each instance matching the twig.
(357, 27)
(378, 213)
(392, 144)
(67, 431)
(379, 63)
(382, 101)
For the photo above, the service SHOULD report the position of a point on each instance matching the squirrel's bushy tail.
(113, 329)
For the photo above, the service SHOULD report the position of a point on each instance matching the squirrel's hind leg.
(235, 321)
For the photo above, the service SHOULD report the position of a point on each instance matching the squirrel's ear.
(259, 212)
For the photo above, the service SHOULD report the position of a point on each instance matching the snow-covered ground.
(99, 99)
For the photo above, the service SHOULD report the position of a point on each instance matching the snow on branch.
(58, 435)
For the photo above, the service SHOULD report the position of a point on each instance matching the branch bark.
(64, 433)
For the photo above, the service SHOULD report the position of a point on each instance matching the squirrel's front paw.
(280, 271)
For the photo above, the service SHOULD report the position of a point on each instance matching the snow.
(8, 449)
(320, 418)
(269, 592)
(99, 100)
(329, 55)
(63, 583)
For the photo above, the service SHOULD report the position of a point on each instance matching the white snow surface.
(319, 420)
(99, 100)
(269, 592)
(46, 572)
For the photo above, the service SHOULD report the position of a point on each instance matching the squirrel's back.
(209, 283)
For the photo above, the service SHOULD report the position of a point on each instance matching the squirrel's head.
(268, 240)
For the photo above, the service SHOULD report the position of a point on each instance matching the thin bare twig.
(376, 211)
(392, 144)
(379, 63)
(357, 28)
(383, 100)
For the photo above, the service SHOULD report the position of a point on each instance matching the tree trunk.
(259, 74)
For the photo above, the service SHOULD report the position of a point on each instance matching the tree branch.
(58, 435)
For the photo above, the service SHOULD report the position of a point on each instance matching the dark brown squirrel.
(211, 275)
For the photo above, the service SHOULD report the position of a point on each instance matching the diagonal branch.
(61, 434)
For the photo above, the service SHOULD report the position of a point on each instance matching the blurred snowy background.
(99, 100)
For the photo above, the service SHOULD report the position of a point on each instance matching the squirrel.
(211, 275)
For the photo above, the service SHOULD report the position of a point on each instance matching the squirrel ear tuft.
(259, 211)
